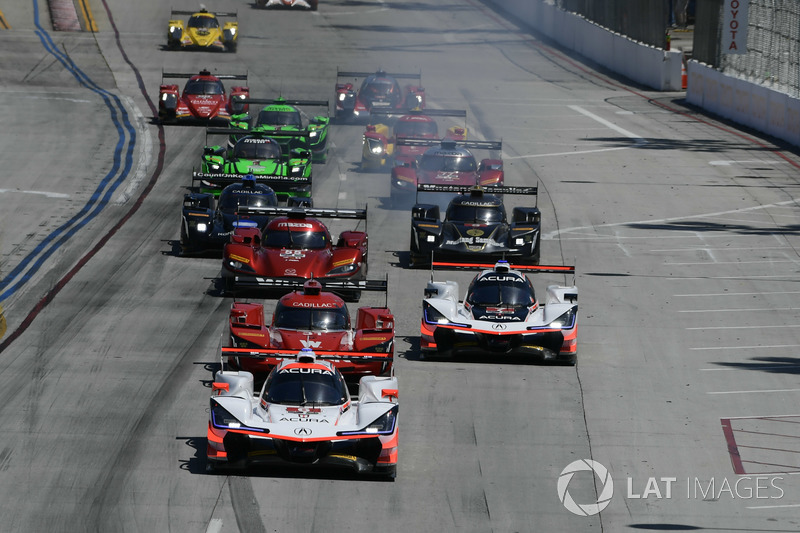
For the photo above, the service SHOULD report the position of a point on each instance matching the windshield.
(230, 199)
(199, 87)
(279, 118)
(204, 23)
(470, 213)
(312, 318)
(447, 163)
(416, 129)
(501, 289)
(256, 150)
(380, 89)
(314, 385)
(288, 238)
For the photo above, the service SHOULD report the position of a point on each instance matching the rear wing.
(243, 132)
(465, 189)
(277, 353)
(461, 113)
(190, 74)
(301, 103)
(455, 265)
(470, 145)
(216, 14)
(398, 75)
(222, 179)
(301, 212)
(374, 285)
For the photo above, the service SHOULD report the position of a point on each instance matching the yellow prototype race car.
(202, 31)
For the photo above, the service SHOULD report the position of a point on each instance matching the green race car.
(281, 116)
(286, 169)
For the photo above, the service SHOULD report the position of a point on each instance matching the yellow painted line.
(88, 19)
(5, 25)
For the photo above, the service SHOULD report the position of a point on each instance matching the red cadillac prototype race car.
(379, 90)
(295, 245)
(312, 318)
(379, 143)
(203, 101)
(447, 162)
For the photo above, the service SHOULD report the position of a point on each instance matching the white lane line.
(343, 195)
(725, 248)
(708, 348)
(752, 391)
(788, 505)
(650, 222)
(214, 525)
(763, 309)
(42, 193)
(729, 162)
(715, 263)
(715, 294)
(638, 140)
(745, 327)
(145, 152)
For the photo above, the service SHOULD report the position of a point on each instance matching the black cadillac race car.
(475, 227)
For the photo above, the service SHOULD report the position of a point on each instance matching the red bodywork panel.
(203, 106)
(247, 246)
(373, 334)
(490, 172)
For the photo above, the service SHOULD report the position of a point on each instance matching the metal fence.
(773, 47)
(641, 20)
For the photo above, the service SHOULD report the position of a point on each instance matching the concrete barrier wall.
(746, 103)
(752, 105)
(647, 65)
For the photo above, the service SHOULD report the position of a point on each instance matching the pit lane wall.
(644, 64)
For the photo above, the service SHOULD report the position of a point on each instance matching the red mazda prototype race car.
(203, 101)
(447, 162)
(312, 318)
(379, 143)
(295, 245)
(379, 90)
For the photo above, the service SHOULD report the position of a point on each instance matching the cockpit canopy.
(285, 116)
(476, 212)
(305, 385)
(202, 22)
(416, 128)
(204, 87)
(239, 194)
(300, 234)
(257, 149)
(383, 88)
(439, 160)
(501, 288)
(288, 316)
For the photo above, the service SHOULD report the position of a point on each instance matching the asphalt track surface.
(684, 231)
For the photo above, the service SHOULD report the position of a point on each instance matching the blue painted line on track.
(126, 144)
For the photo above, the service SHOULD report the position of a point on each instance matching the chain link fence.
(773, 47)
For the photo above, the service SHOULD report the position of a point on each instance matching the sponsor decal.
(345, 457)
(499, 326)
(474, 232)
(473, 240)
(305, 370)
(295, 225)
(290, 272)
(344, 262)
(303, 418)
(315, 304)
(500, 317)
(493, 277)
(239, 258)
(310, 344)
(302, 432)
(292, 255)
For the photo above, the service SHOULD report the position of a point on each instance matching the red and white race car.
(316, 319)
(303, 414)
(446, 162)
(203, 100)
(379, 90)
(379, 139)
(295, 246)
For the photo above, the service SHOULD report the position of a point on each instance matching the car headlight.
(433, 315)
(313, 134)
(342, 96)
(220, 417)
(232, 30)
(384, 425)
(214, 166)
(296, 170)
(232, 264)
(344, 269)
(202, 227)
(565, 321)
(431, 238)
